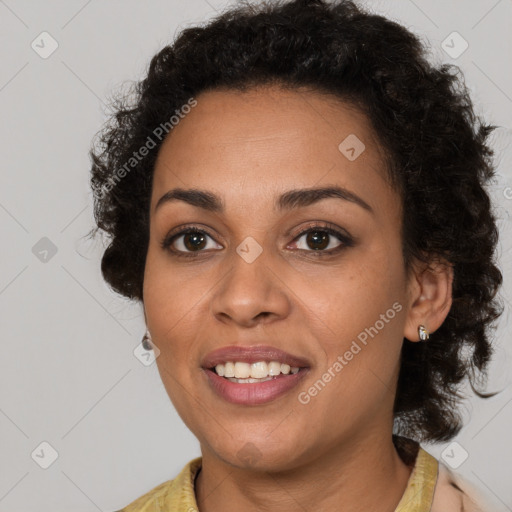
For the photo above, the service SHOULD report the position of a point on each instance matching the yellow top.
(178, 495)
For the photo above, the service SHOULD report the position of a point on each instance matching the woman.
(296, 196)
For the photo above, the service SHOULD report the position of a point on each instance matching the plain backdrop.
(71, 387)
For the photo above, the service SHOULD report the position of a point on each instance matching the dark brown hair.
(438, 160)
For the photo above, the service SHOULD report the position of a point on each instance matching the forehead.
(270, 139)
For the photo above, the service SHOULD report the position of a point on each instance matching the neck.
(364, 475)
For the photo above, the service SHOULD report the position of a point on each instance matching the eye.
(191, 240)
(322, 239)
(319, 240)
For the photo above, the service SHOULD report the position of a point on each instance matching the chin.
(259, 454)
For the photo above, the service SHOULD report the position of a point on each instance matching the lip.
(255, 393)
(252, 355)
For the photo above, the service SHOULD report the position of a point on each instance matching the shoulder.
(453, 493)
(169, 495)
(433, 486)
(147, 501)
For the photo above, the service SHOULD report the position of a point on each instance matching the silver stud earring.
(423, 333)
(146, 341)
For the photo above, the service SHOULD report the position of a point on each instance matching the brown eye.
(321, 239)
(317, 240)
(189, 241)
(194, 240)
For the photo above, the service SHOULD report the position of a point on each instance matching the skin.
(249, 148)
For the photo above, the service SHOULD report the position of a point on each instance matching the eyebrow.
(298, 198)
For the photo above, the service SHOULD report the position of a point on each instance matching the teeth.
(259, 370)
(249, 381)
(255, 372)
(285, 368)
(229, 369)
(274, 368)
(220, 370)
(242, 370)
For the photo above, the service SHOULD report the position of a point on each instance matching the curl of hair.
(435, 149)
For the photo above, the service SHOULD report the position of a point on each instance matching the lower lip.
(254, 393)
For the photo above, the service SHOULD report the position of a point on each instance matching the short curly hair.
(437, 159)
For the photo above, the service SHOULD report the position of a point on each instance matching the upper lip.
(251, 354)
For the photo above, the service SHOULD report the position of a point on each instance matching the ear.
(430, 297)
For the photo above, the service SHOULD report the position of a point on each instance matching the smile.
(242, 372)
(254, 391)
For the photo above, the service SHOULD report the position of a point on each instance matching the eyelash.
(346, 241)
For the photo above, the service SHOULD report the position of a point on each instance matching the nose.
(251, 293)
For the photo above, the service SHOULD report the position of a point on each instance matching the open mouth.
(253, 383)
(252, 375)
(249, 373)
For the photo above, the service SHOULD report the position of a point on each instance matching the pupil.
(318, 237)
(194, 241)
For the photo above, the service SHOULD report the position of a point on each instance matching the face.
(319, 277)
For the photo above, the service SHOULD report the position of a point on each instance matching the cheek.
(171, 304)
(355, 382)
(170, 294)
(363, 309)
(176, 301)
(356, 294)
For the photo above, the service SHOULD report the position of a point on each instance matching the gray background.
(68, 372)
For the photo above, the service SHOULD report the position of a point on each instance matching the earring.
(423, 333)
(146, 341)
